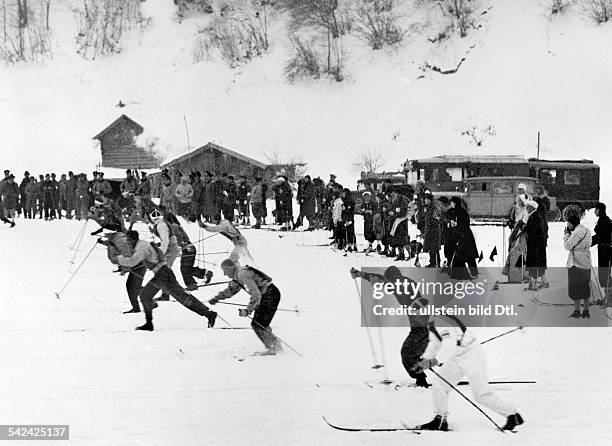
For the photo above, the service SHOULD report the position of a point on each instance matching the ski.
(404, 427)
(397, 385)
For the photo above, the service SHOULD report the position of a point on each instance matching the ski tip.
(57, 295)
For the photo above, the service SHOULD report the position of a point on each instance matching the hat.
(601, 207)
(522, 186)
(456, 200)
(27, 173)
(7, 171)
(531, 203)
(574, 219)
(331, 175)
(128, 171)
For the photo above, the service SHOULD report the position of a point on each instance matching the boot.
(208, 276)
(421, 381)
(439, 423)
(512, 421)
(586, 314)
(212, 318)
(132, 310)
(401, 255)
(391, 253)
(576, 314)
(192, 287)
(148, 326)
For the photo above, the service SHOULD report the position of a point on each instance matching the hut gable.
(216, 158)
(120, 148)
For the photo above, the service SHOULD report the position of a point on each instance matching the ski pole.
(211, 253)
(244, 305)
(213, 283)
(206, 238)
(374, 357)
(467, 399)
(277, 337)
(58, 293)
(79, 236)
(465, 383)
(503, 334)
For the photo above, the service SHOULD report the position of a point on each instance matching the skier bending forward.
(264, 300)
(458, 353)
(163, 279)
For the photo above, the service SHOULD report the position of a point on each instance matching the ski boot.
(439, 423)
(132, 310)
(585, 314)
(512, 421)
(148, 326)
(212, 318)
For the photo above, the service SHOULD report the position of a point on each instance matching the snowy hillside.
(524, 71)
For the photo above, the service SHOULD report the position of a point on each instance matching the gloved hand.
(102, 241)
(427, 363)
(243, 312)
(354, 273)
(214, 300)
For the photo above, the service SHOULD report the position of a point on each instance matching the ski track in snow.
(76, 360)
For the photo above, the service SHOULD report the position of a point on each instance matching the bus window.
(548, 176)
(572, 178)
(503, 188)
(478, 187)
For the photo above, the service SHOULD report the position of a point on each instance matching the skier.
(164, 279)
(188, 255)
(416, 342)
(107, 214)
(240, 253)
(168, 242)
(117, 243)
(9, 198)
(458, 353)
(265, 297)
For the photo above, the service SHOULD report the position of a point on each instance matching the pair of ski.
(414, 429)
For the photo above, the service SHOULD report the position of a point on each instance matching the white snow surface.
(76, 360)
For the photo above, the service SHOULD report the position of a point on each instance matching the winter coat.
(167, 197)
(536, 241)
(466, 244)
(10, 194)
(431, 228)
(257, 194)
(208, 201)
(183, 193)
(348, 210)
(337, 210)
(578, 243)
(144, 188)
(129, 185)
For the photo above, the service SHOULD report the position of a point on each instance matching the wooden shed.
(120, 148)
(217, 159)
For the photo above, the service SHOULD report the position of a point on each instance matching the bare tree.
(377, 23)
(600, 10)
(320, 15)
(102, 23)
(479, 135)
(370, 161)
(25, 30)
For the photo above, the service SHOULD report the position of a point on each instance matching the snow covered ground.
(78, 361)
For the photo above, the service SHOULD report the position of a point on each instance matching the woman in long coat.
(517, 242)
(465, 251)
(536, 244)
(577, 240)
(431, 237)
